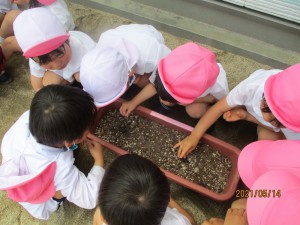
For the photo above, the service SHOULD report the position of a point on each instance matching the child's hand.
(235, 115)
(126, 108)
(186, 146)
(96, 151)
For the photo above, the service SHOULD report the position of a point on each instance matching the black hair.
(161, 91)
(51, 56)
(266, 109)
(133, 191)
(34, 4)
(60, 113)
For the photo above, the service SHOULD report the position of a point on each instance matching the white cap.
(104, 71)
(39, 32)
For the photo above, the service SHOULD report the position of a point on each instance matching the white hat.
(104, 71)
(39, 32)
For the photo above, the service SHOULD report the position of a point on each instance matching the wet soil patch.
(204, 166)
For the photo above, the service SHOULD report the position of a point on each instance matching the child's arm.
(190, 142)
(78, 188)
(96, 151)
(36, 82)
(206, 99)
(147, 92)
(237, 114)
(175, 205)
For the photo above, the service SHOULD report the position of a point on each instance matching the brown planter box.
(226, 149)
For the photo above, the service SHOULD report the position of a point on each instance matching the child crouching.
(37, 168)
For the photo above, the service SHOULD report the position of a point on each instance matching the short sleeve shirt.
(249, 94)
(80, 44)
(173, 217)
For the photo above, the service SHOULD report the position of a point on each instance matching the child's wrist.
(99, 163)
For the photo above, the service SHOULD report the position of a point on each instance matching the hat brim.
(46, 2)
(247, 159)
(46, 47)
(103, 104)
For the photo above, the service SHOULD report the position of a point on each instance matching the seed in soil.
(135, 134)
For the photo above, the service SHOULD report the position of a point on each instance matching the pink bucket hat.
(104, 71)
(46, 2)
(281, 202)
(188, 71)
(39, 32)
(33, 188)
(282, 94)
(263, 156)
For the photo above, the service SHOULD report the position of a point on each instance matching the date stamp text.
(258, 193)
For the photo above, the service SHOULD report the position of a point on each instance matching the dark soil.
(204, 166)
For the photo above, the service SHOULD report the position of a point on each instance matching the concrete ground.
(15, 98)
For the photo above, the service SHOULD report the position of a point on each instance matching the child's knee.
(12, 15)
(53, 78)
(196, 110)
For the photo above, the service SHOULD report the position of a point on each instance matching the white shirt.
(5, 6)
(60, 9)
(219, 88)
(173, 217)
(72, 183)
(80, 44)
(249, 94)
(148, 41)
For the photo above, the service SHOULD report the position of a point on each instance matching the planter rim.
(227, 149)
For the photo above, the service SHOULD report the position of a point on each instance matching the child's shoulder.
(260, 75)
(173, 217)
(80, 38)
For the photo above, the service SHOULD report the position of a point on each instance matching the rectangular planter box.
(224, 148)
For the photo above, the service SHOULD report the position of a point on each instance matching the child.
(58, 120)
(133, 192)
(125, 55)
(188, 76)
(270, 98)
(270, 169)
(54, 54)
(8, 42)
(57, 7)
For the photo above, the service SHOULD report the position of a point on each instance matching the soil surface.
(135, 134)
